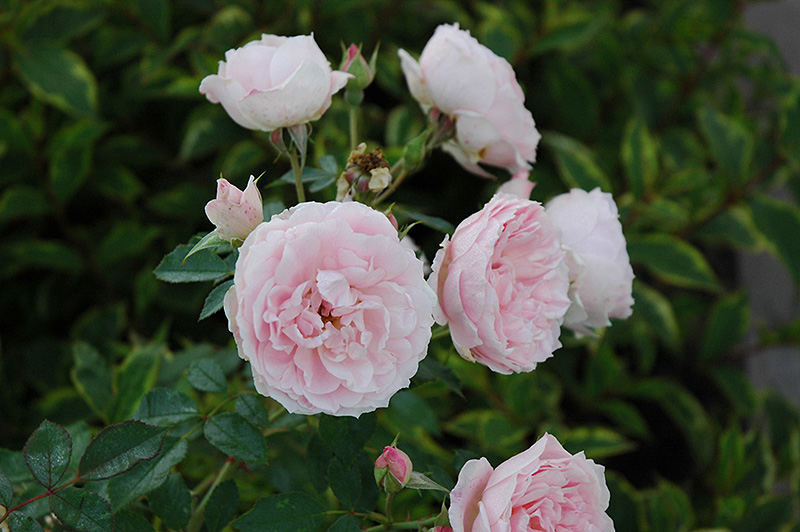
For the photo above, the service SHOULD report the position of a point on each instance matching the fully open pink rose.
(332, 312)
(275, 82)
(466, 81)
(234, 212)
(600, 270)
(502, 285)
(544, 489)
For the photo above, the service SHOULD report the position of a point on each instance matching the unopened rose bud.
(234, 212)
(392, 469)
(363, 71)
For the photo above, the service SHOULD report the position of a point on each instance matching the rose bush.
(275, 82)
(544, 488)
(600, 271)
(332, 312)
(466, 81)
(234, 212)
(502, 285)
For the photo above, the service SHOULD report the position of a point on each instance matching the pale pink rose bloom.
(332, 312)
(235, 213)
(519, 185)
(502, 285)
(544, 489)
(466, 81)
(600, 270)
(275, 82)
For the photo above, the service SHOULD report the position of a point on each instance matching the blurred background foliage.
(108, 154)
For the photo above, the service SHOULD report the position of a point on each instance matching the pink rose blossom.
(235, 213)
(600, 270)
(465, 80)
(275, 82)
(544, 489)
(502, 285)
(332, 312)
(396, 463)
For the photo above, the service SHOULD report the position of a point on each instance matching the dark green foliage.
(109, 154)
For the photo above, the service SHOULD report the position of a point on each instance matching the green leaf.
(345, 482)
(421, 482)
(734, 227)
(47, 453)
(208, 129)
(118, 448)
(683, 408)
(31, 253)
(769, 515)
(431, 369)
(345, 437)
(235, 436)
(19, 522)
(576, 163)
(731, 463)
(731, 143)
(20, 202)
(82, 510)
(57, 76)
(125, 240)
(727, 324)
(240, 159)
(346, 523)
(71, 157)
(204, 265)
(287, 512)
(596, 442)
(625, 417)
(790, 125)
(639, 154)
(6, 491)
(206, 375)
(656, 312)
(172, 502)
(211, 240)
(779, 222)
(147, 475)
(571, 34)
(163, 407)
(668, 509)
(91, 377)
(135, 377)
(252, 408)
(12, 464)
(673, 261)
(443, 226)
(215, 299)
(222, 506)
(128, 520)
(155, 14)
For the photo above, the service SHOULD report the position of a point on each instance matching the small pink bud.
(234, 212)
(519, 185)
(442, 529)
(393, 220)
(392, 469)
(363, 71)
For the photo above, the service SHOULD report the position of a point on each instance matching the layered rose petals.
(332, 312)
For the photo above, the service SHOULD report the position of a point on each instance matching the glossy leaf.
(656, 311)
(731, 143)
(346, 523)
(734, 227)
(47, 453)
(345, 437)
(172, 502)
(222, 506)
(287, 512)
(204, 265)
(251, 407)
(576, 163)
(19, 522)
(58, 76)
(135, 377)
(345, 482)
(639, 154)
(215, 299)
(206, 375)
(147, 475)
(727, 324)
(82, 510)
(128, 520)
(71, 157)
(164, 407)
(235, 436)
(6, 491)
(673, 261)
(779, 222)
(118, 448)
(596, 442)
(91, 377)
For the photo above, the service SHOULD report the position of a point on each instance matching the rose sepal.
(422, 482)
(211, 240)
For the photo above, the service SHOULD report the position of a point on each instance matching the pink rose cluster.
(331, 310)
(544, 488)
(466, 81)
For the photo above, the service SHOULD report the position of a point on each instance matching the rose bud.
(234, 212)
(392, 469)
(363, 71)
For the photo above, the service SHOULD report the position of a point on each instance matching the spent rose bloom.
(332, 312)
(502, 285)
(466, 81)
(600, 270)
(544, 488)
(234, 212)
(393, 469)
(275, 82)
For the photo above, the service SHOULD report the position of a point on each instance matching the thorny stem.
(389, 502)
(353, 127)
